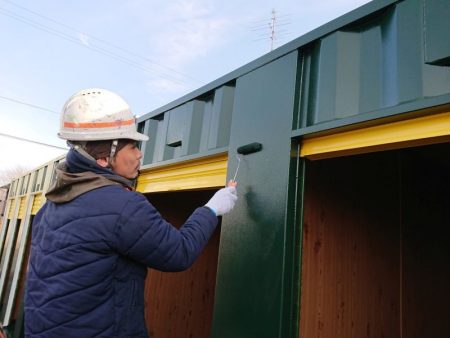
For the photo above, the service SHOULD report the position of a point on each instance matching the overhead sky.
(149, 52)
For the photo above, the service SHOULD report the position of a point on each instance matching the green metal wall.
(250, 280)
(436, 28)
(194, 128)
(376, 63)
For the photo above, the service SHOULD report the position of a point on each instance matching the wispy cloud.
(163, 91)
(187, 31)
(197, 30)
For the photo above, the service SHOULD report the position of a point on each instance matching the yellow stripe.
(37, 203)
(22, 207)
(201, 173)
(413, 132)
(11, 208)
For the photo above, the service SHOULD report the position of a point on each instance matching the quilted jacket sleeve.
(143, 235)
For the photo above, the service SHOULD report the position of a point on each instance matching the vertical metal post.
(22, 242)
(4, 227)
(9, 246)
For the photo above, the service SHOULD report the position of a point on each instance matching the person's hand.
(224, 199)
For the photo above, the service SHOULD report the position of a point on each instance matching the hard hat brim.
(89, 136)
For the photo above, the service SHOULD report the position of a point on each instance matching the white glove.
(222, 201)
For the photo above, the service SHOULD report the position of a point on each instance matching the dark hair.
(99, 149)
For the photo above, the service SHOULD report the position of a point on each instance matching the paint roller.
(245, 150)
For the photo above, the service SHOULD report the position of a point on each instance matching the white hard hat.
(97, 114)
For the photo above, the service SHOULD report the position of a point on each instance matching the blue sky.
(150, 52)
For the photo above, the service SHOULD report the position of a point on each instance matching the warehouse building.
(342, 138)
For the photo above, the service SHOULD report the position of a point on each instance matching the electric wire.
(33, 106)
(94, 48)
(28, 104)
(31, 141)
(76, 41)
(100, 40)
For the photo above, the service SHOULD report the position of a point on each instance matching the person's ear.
(103, 162)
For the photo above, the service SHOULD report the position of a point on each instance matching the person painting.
(94, 238)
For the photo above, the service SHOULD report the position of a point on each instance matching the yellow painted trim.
(206, 172)
(11, 208)
(401, 134)
(22, 207)
(37, 203)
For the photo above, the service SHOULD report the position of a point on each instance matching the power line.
(31, 141)
(27, 104)
(97, 49)
(100, 40)
(76, 41)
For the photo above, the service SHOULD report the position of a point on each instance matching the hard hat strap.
(113, 151)
(79, 147)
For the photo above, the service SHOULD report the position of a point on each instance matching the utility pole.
(272, 29)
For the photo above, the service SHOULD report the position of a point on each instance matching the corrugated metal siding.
(436, 22)
(13, 190)
(193, 128)
(25, 182)
(39, 179)
(369, 65)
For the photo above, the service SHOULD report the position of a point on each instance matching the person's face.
(127, 161)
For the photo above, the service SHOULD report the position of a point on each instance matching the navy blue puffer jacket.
(89, 254)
